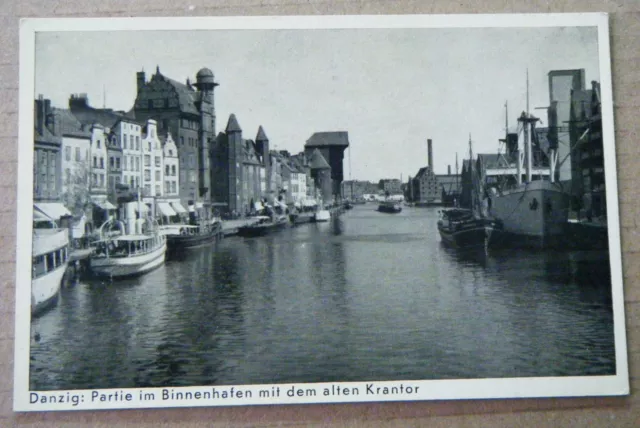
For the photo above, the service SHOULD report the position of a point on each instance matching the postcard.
(316, 209)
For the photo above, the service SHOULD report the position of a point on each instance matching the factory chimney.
(430, 148)
(448, 169)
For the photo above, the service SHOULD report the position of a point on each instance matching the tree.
(77, 189)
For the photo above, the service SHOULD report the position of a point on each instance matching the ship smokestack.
(430, 149)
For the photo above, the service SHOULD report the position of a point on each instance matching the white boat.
(128, 248)
(322, 216)
(50, 253)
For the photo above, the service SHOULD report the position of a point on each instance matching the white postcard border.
(426, 390)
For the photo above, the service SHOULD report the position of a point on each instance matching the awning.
(105, 205)
(258, 206)
(166, 209)
(53, 210)
(143, 207)
(39, 216)
(309, 203)
(178, 208)
(199, 205)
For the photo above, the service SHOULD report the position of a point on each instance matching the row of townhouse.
(166, 149)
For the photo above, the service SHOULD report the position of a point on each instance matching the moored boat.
(459, 228)
(50, 252)
(322, 216)
(264, 226)
(392, 207)
(186, 236)
(128, 250)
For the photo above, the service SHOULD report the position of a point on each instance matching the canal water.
(368, 296)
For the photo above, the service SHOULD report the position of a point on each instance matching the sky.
(390, 89)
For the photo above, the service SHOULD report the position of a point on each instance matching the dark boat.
(193, 236)
(264, 226)
(301, 218)
(390, 207)
(459, 228)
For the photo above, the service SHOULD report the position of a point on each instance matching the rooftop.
(324, 139)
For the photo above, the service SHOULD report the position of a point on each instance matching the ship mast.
(527, 136)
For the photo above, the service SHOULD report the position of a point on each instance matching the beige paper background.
(601, 412)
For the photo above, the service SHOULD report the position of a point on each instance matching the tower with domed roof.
(205, 83)
(187, 112)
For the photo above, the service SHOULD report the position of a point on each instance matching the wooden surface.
(601, 412)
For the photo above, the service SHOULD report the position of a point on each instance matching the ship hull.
(534, 215)
(45, 289)
(118, 267)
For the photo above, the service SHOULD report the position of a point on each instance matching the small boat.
(322, 216)
(263, 226)
(391, 207)
(348, 205)
(459, 228)
(121, 253)
(186, 236)
(50, 252)
(301, 218)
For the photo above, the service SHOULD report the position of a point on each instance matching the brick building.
(331, 146)
(187, 111)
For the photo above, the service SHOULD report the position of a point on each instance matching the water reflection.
(366, 296)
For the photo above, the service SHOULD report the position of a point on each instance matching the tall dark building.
(188, 112)
(332, 146)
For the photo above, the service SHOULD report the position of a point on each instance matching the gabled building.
(187, 111)
(47, 183)
(322, 178)
(237, 169)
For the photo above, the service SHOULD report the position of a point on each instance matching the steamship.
(50, 252)
(533, 212)
(128, 248)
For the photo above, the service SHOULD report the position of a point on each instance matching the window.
(167, 187)
(173, 170)
(167, 170)
(117, 179)
(67, 176)
(149, 146)
(101, 180)
(137, 163)
(95, 162)
(67, 153)
(147, 175)
(192, 176)
(158, 193)
(117, 163)
(102, 162)
(158, 175)
(191, 161)
(124, 141)
(131, 143)
(158, 161)
(173, 187)
(170, 152)
(182, 141)
(112, 162)
(147, 189)
(137, 143)
(78, 158)
(132, 182)
(98, 143)
(94, 179)
(147, 160)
